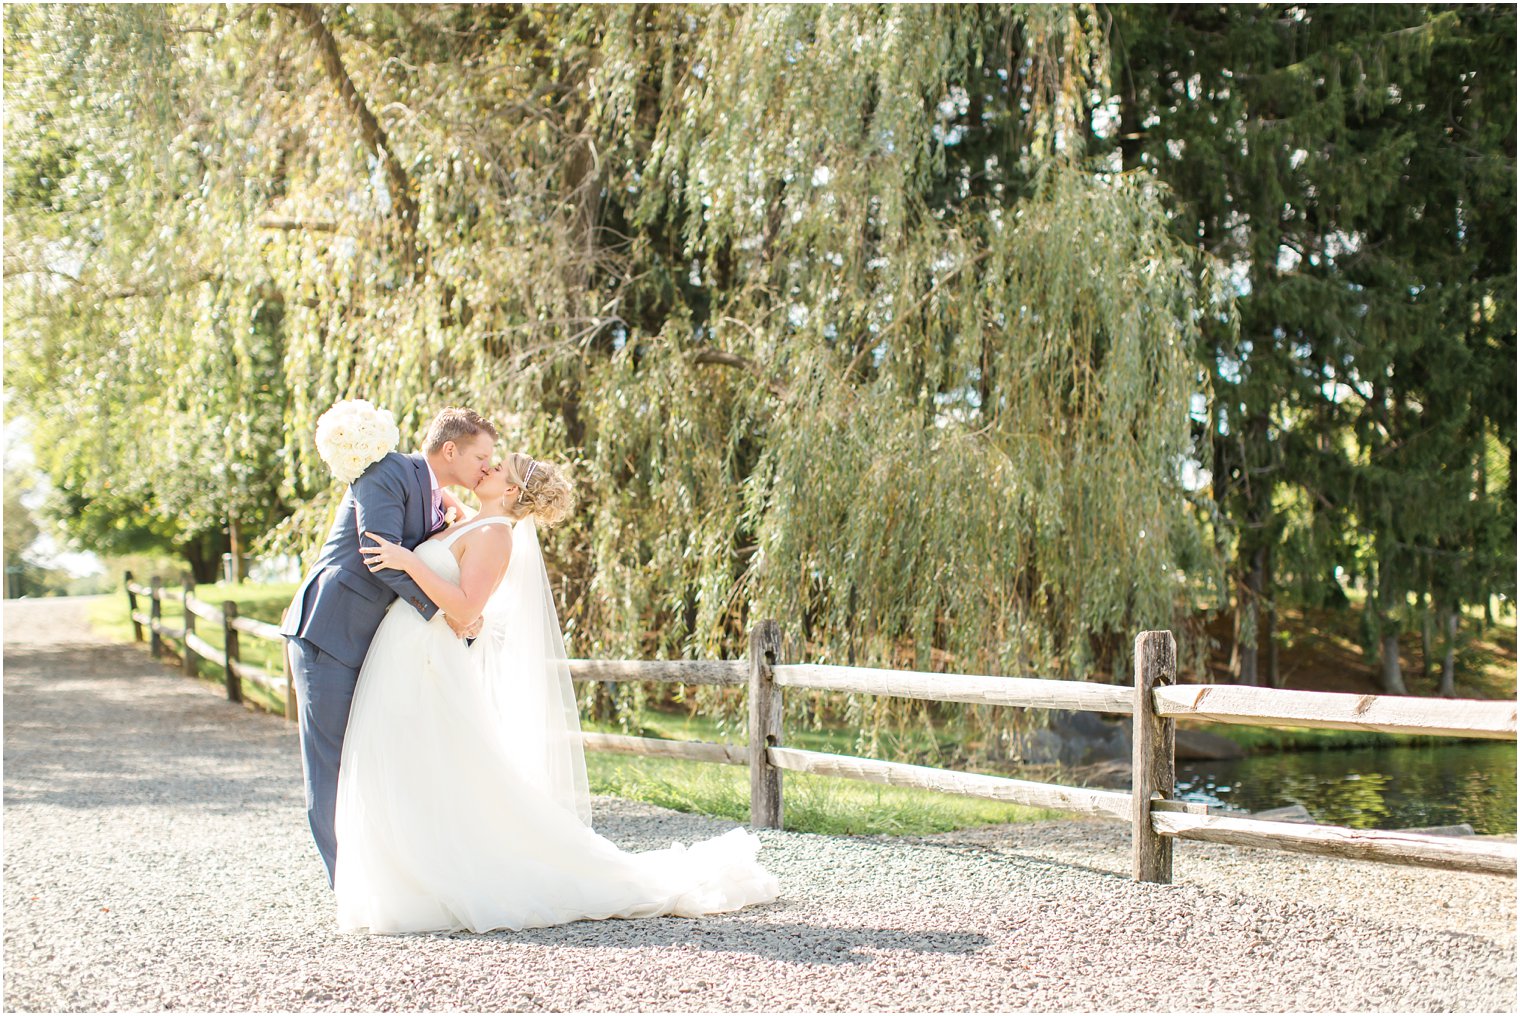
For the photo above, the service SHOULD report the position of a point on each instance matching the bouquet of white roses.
(353, 435)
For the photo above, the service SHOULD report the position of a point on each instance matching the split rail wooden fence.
(1154, 702)
(193, 648)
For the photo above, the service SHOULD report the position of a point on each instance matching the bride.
(462, 799)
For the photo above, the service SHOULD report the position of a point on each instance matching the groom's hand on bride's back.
(467, 631)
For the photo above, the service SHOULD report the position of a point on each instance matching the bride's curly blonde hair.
(546, 492)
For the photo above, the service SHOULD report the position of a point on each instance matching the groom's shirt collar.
(432, 476)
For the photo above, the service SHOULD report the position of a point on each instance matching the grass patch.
(812, 804)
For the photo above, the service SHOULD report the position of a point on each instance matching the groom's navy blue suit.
(335, 613)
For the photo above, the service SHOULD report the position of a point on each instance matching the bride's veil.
(527, 678)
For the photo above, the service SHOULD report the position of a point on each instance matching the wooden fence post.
(764, 726)
(1155, 758)
(230, 647)
(137, 635)
(292, 708)
(189, 654)
(155, 616)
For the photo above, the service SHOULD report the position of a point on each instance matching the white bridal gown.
(449, 815)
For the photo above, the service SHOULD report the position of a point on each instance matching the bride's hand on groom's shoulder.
(386, 554)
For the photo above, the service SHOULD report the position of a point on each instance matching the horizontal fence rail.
(716, 672)
(205, 650)
(202, 609)
(1384, 713)
(1153, 704)
(660, 747)
(1360, 844)
(1028, 692)
(1082, 800)
(259, 629)
(248, 672)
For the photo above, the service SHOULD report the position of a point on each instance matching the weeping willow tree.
(145, 337)
(823, 304)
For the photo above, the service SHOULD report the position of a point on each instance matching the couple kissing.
(440, 739)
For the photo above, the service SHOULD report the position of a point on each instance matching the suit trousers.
(324, 693)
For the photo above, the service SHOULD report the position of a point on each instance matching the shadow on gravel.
(83, 731)
(792, 943)
(72, 660)
(1010, 854)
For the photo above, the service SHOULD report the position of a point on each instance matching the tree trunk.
(603, 707)
(1448, 659)
(236, 549)
(1250, 648)
(1427, 638)
(398, 183)
(1388, 628)
(1233, 668)
(1243, 649)
(1129, 125)
(1393, 675)
(203, 555)
(1269, 638)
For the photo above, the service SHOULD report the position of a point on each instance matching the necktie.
(437, 507)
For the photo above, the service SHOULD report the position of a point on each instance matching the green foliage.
(23, 576)
(1353, 166)
(144, 346)
(20, 527)
(898, 323)
(821, 302)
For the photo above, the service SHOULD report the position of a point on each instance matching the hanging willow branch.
(614, 200)
(400, 185)
(720, 358)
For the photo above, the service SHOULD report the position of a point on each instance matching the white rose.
(353, 435)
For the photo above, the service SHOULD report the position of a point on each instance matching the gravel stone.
(157, 857)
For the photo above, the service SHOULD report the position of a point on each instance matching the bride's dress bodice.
(437, 556)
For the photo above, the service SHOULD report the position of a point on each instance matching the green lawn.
(811, 803)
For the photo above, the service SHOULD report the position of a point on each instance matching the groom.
(341, 603)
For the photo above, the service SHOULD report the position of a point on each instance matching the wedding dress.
(462, 792)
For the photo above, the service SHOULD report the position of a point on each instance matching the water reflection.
(1369, 788)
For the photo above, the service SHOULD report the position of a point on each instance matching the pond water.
(1369, 788)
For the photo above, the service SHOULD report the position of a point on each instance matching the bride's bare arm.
(482, 563)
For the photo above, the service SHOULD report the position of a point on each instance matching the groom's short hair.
(456, 425)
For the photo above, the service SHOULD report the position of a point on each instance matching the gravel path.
(156, 857)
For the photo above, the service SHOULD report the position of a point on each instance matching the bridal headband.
(532, 465)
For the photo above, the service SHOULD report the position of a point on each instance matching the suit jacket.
(341, 602)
